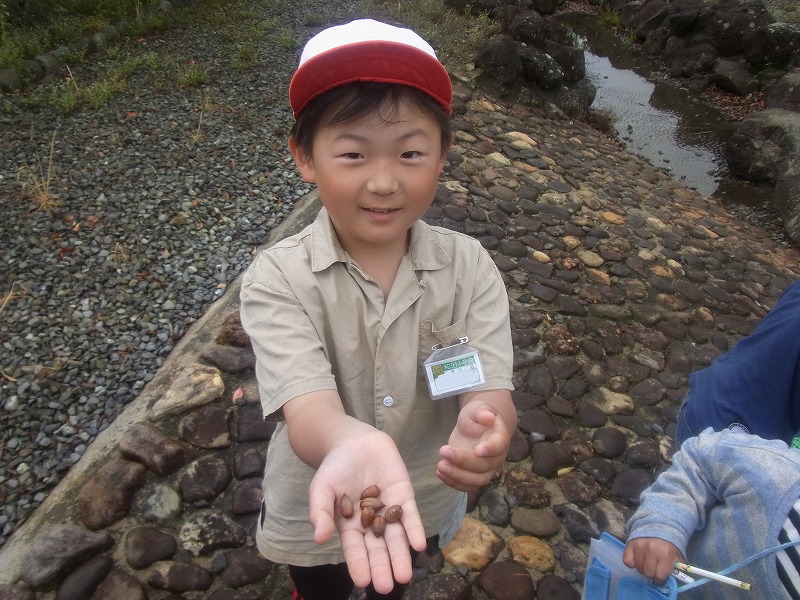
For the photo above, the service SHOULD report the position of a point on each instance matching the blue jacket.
(725, 497)
(756, 383)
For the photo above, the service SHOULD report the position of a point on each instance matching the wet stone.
(248, 462)
(562, 367)
(159, 503)
(538, 522)
(206, 531)
(601, 469)
(230, 594)
(245, 566)
(611, 402)
(10, 592)
(643, 453)
(232, 333)
(147, 545)
(540, 422)
(85, 580)
(474, 546)
(560, 406)
(543, 292)
(609, 442)
(120, 586)
(579, 443)
(527, 488)
(532, 552)
(457, 213)
(560, 341)
(205, 478)
(180, 577)
(648, 392)
(611, 517)
(206, 427)
(147, 444)
(577, 523)
(251, 426)
(447, 586)
(503, 263)
(591, 416)
(494, 507)
(519, 448)
(579, 488)
(506, 580)
(553, 587)
(58, 550)
(633, 423)
(247, 496)
(540, 382)
(108, 496)
(194, 386)
(549, 457)
(629, 484)
(513, 248)
(229, 359)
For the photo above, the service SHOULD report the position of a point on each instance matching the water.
(665, 124)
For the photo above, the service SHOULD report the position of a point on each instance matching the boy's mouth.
(382, 210)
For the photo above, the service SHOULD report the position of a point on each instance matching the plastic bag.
(607, 577)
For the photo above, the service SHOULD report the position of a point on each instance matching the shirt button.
(388, 401)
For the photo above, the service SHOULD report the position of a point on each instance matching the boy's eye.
(410, 154)
(352, 155)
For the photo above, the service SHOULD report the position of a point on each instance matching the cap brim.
(376, 61)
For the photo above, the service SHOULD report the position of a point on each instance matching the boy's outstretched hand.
(356, 462)
(479, 442)
(652, 557)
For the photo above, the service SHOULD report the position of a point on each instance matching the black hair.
(353, 101)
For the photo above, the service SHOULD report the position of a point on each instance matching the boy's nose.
(382, 182)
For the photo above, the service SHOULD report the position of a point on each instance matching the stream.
(668, 125)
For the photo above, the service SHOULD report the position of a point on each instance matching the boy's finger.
(355, 555)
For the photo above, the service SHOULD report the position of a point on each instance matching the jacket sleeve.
(676, 504)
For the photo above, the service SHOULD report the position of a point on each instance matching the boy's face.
(376, 176)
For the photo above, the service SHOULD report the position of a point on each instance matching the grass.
(11, 295)
(37, 181)
(456, 36)
(33, 27)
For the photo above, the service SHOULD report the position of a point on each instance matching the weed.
(100, 92)
(192, 76)
(285, 38)
(245, 56)
(118, 254)
(609, 18)
(197, 135)
(36, 182)
(12, 295)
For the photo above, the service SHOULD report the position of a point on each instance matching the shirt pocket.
(429, 336)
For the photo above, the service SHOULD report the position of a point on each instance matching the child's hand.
(356, 462)
(652, 557)
(477, 446)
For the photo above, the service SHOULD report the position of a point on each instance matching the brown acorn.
(346, 506)
(372, 502)
(367, 516)
(372, 491)
(378, 526)
(394, 513)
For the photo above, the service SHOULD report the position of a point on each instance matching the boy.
(343, 315)
(726, 497)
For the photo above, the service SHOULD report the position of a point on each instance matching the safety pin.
(462, 340)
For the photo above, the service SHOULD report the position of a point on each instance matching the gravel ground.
(162, 194)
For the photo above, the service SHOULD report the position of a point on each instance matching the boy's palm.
(370, 458)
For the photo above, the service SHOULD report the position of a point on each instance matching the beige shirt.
(318, 322)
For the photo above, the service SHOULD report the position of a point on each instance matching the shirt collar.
(425, 252)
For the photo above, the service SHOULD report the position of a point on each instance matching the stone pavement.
(621, 283)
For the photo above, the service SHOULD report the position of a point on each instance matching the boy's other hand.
(479, 442)
(368, 457)
(652, 557)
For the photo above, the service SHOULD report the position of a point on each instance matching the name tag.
(453, 369)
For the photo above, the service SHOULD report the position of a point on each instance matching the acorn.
(346, 506)
(372, 491)
(393, 513)
(378, 526)
(372, 502)
(367, 516)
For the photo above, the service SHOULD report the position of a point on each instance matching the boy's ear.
(303, 161)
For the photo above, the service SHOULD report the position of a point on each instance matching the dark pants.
(332, 582)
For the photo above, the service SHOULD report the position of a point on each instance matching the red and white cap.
(367, 50)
